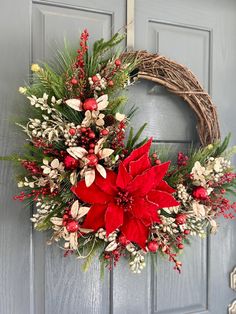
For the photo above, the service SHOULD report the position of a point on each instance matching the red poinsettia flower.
(129, 199)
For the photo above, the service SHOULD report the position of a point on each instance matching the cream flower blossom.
(76, 104)
(91, 161)
(35, 67)
(93, 117)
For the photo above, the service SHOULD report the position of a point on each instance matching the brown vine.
(181, 81)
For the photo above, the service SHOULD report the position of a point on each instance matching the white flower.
(93, 117)
(89, 169)
(119, 116)
(199, 209)
(199, 174)
(22, 90)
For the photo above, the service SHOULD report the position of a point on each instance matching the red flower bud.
(111, 83)
(200, 193)
(90, 104)
(186, 231)
(180, 246)
(180, 219)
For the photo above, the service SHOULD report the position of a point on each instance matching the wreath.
(96, 187)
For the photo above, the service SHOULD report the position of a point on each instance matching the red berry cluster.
(155, 159)
(70, 224)
(35, 194)
(182, 160)
(87, 139)
(83, 49)
(119, 134)
(31, 167)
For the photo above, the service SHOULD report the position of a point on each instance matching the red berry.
(95, 78)
(180, 246)
(154, 155)
(72, 131)
(157, 162)
(104, 132)
(91, 135)
(92, 145)
(70, 162)
(200, 193)
(110, 83)
(179, 239)
(180, 219)
(74, 81)
(91, 151)
(122, 240)
(83, 130)
(72, 226)
(152, 246)
(118, 62)
(65, 217)
(186, 231)
(92, 160)
(90, 104)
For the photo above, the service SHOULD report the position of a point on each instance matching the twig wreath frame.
(179, 80)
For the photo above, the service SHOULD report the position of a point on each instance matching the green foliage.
(133, 138)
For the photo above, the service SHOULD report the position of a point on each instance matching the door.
(37, 279)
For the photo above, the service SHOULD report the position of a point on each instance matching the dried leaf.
(83, 210)
(101, 170)
(56, 221)
(111, 246)
(75, 209)
(74, 104)
(89, 177)
(73, 178)
(55, 163)
(102, 102)
(77, 152)
(84, 230)
(105, 152)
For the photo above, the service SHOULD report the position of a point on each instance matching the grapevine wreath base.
(100, 192)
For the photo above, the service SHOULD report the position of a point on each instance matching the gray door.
(38, 279)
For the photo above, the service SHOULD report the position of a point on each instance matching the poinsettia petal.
(95, 218)
(135, 231)
(113, 217)
(108, 184)
(161, 198)
(139, 152)
(161, 171)
(92, 194)
(144, 183)
(145, 211)
(140, 165)
(123, 177)
(163, 186)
